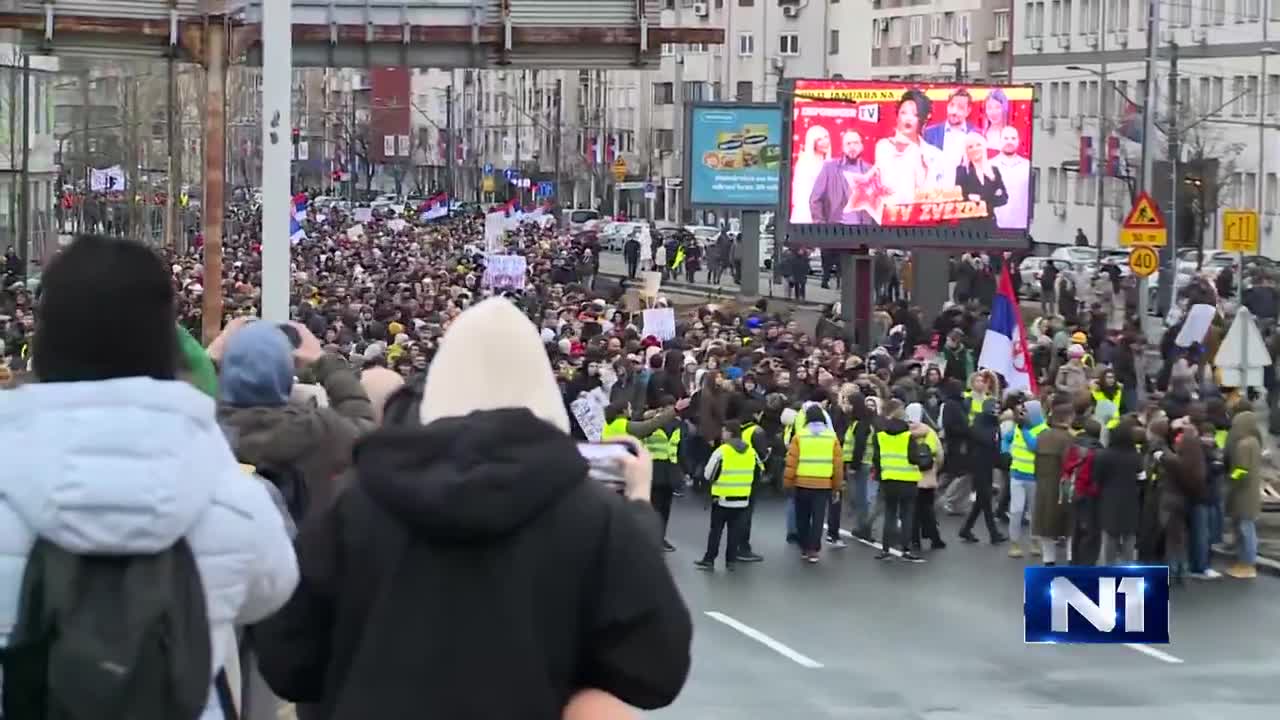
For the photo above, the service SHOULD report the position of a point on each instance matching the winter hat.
(492, 358)
(98, 277)
(257, 367)
(379, 383)
(1075, 351)
(915, 412)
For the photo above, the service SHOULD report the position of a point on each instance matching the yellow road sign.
(1240, 231)
(619, 169)
(1144, 225)
(1143, 261)
(486, 183)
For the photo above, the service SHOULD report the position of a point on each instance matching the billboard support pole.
(277, 86)
(750, 240)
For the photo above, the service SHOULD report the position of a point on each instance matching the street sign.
(488, 168)
(1240, 231)
(619, 169)
(546, 188)
(1143, 261)
(650, 191)
(1144, 225)
(1242, 355)
(673, 183)
(510, 174)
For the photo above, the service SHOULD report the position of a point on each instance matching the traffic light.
(297, 135)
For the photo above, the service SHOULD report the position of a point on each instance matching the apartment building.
(1228, 110)
(940, 39)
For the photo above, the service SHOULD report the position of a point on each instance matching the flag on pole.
(300, 204)
(1004, 347)
(435, 207)
(296, 233)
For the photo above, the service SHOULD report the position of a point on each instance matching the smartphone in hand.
(603, 461)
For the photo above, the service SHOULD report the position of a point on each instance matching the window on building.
(1271, 202)
(663, 93)
(665, 139)
(697, 48)
(1001, 29)
(877, 33)
(788, 44)
(1271, 97)
(916, 31)
(1081, 190)
(744, 91)
(693, 91)
(1237, 95)
(833, 42)
(1219, 11)
(1249, 191)
(1251, 95)
(746, 44)
(1118, 14)
(746, 3)
(668, 49)
(896, 28)
(935, 25)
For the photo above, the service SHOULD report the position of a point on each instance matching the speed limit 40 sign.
(1143, 261)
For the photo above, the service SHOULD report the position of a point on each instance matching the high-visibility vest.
(1220, 439)
(737, 472)
(796, 426)
(615, 428)
(663, 447)
(748, 433)
(1238, 473)
(848, 446)
(1022, 460)
(975, 406)
(817, 451)
(895, 457)
(1099, 396)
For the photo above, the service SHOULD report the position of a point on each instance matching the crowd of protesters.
(406, 356)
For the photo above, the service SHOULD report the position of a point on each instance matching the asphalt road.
(859, 639)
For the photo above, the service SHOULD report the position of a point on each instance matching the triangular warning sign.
(1144, 215)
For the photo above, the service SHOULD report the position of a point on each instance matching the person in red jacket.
(1077, 469)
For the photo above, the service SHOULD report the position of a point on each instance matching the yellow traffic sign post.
(619, 169)
(1143, 261)
(1144, 225)
(1240, 231)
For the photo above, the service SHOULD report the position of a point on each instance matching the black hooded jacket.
(473, 571)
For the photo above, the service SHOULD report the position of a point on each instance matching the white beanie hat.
(492, 358)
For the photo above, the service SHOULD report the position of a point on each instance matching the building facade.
(1227, 110)
(939, 40)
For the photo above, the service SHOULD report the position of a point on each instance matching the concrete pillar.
(277, 126)
(930, 272)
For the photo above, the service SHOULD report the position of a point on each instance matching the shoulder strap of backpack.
(222, 685)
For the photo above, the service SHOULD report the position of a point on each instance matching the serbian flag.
(1004, 348)
(435, 207)
(300, 204)
(296, 233)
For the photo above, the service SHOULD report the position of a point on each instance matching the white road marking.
(846, 534)
(783, 650)
(1157, 654)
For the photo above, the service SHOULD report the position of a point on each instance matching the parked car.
(580, 219)
(1032, 268)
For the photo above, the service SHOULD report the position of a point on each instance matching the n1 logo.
(1116, 604)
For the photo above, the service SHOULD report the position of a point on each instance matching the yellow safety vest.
(749, 432)
(848, 446)
(895, 457)
(737, 471)
(1220, 439)
(975, 406)
(796, 426)
(1099, 396)
(663, 447)
(816, 453)
(1022, 460)
(616, 428)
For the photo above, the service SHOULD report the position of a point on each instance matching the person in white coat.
(110, 453)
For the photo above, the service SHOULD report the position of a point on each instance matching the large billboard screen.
(735, 155)
(911, 156)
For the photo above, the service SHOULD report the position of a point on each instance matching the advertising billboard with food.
(735, 155)
(911, 155)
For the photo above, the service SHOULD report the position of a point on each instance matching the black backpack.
(292, 486)
(108, 637)
(920, 453)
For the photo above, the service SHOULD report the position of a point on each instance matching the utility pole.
(351, 150)
(171, 131)
(1169, 275)
(1100, 151)
(559, 135)
(959, 70)
(84, 149)
(24, 219)
(519, 102)
(449, 152)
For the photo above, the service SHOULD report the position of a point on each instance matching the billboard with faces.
(911, 156)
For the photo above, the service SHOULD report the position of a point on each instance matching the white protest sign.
(1196, 326)
(363, 214)
(652, 283)
(590, 417)
(397, 225)
(660, 323)
(494, 228)
(505, 271)
(356, 232)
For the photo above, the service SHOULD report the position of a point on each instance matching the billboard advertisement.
(901, 155)
(734, 154)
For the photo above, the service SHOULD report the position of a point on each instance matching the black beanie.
(106, 311)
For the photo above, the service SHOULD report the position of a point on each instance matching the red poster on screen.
(911, 155)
